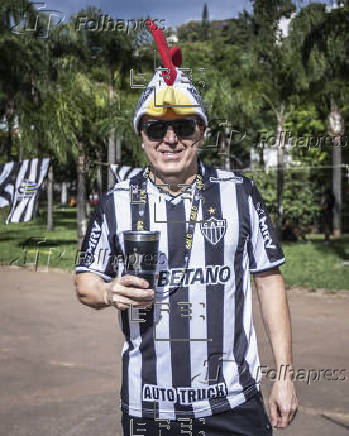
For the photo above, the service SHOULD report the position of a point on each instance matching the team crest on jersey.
(213, 229)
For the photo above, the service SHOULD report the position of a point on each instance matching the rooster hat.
(168, 88)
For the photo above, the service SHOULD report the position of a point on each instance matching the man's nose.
(170, 136)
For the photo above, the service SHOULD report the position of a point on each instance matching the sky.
(174, 12)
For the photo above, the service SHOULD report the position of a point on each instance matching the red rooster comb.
(170, 58)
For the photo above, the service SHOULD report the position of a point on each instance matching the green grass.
(310, 264)
(313, 264)
(19, 242)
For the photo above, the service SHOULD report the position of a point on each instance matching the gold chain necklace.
(197, 179)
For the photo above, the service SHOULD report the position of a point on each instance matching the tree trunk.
(99, 179)
(111, 145)
(111, 157)
(36, 208)
(81, 194)
(35, 93)
(337, 186)
(261, 157)
(50, 198)
(118, 140)
(9, 114)
(280, 142)
(221, 148)
(227, 148)
(336, 129)
(9, 137)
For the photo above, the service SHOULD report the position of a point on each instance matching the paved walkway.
(60, 360)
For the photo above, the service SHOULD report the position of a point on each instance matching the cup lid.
(141, 235)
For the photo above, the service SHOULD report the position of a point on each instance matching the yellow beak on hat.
(170, 96)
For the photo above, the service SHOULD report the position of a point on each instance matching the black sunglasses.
(157, 129)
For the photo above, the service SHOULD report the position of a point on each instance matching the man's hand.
(121, 292)
(130, 290)
(283, 403)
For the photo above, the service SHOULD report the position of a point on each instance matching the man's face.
(172, 155)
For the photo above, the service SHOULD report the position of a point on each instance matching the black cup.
(141, 254)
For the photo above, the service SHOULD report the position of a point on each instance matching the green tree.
(75, 112)
(20, 66)
(325, 55)
(205, 23)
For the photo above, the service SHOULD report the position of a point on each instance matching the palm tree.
(113, 50)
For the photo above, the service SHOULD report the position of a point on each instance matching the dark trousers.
(248, 419)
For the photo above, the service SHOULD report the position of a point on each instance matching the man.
(191, 362)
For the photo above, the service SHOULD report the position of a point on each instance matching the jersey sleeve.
(98, 252)
(264, 249)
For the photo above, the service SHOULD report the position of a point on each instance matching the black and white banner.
(8, 173)
(29, 178)
(123, 173)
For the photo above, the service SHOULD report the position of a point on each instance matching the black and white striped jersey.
(123, 172)
(194, 353)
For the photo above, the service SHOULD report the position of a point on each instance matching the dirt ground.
(60, 360)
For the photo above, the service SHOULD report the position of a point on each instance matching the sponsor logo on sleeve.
(268, 242)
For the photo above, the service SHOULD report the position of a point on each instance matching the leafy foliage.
(74, 87)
